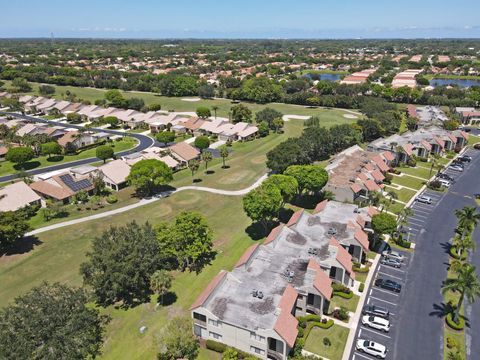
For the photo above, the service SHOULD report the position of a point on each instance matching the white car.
(395, 255)
(424, 199)
(371, 348)
(455, 168)
(376, 322)
(445, 183)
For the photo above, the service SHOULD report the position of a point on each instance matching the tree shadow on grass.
(21, 246)
(196, 181)
(307, 201)
(56, 158)
(209, 172)
(168, 299)
(255, 231)
(27, 166)
(226, 167)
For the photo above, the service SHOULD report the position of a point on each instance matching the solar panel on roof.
(75, 185)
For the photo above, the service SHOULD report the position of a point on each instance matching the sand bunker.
(297, 117)
(350, 116)
(191, 99)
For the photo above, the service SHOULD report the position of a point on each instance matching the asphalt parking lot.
(418, 225)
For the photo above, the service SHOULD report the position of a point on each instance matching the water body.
(463, 83)
(327, 77)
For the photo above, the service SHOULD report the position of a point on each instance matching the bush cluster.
(452, 324)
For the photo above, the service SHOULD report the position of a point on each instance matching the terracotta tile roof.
(369, 167)
(377, 175)
(185, 151)
(452, 137)
(408, 149)
(426, 145)
(380, 163)
(48, 189)
(322, 282)
(116, 170)
(286, 324)
(362, 238)
(3, 150)
(439, 141)
(355, 188)
(293, 220)
(363, 177)
(388, 156)
(320, 206)
(246, 255)
(412, 111)
(371, 185)
(273, 234)
(67, 138)
(372, 211)
(360, 221)
(208, 290)
(194, 123)
(464, 134)
(343, 257)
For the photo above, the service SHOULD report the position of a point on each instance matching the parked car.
(376, 322)
(393, 255)
(455, 168)
(464, 158)
(390, 261)
(388, 284)
(371, 348)
(476, 146)
(458, 163)
(445, 183)
(424, 199)
(376, 311)
(446, 177)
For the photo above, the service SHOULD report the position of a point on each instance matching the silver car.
(394, 255)
(424, 199)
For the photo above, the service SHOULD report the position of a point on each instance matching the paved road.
(417, 321)
(144, 142)
(149, 201)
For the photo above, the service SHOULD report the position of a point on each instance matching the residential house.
(77, 139)
(115, 174)
(184, 153)
(62, 187)
(16, 196)
(254, 307)
(354, 173)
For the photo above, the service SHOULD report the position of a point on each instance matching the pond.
(326, 77)
(463, 83)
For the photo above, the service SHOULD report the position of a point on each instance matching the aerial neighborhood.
(191, 196)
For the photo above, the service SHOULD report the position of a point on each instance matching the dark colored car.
(458, 163)
(376, 311)
(465, 158)
(388, 285)
(446, 177)
(476, 146)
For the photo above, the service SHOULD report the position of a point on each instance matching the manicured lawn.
(349, 304)
(338, 338)
(403, 194)
(419, 171)
(205, 354)
(408, 181)
(7, 168)
(59, 254)
(396, 208)
(472, 139)
(361, 276)
(177, 104)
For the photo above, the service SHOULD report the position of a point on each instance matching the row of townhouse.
(468, 115)
(354, 173)
(155, 120)
(254, 307)
(62, 135)
(421, 143)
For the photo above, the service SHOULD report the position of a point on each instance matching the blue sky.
(240, 18)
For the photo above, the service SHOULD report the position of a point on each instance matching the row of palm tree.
(466, 282)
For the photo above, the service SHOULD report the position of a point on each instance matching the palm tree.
(160, 283)
(464, 244)
(467, 284)
(468, 218)
(215, 108)
(374, 198)
(224, 154)
(404, 215)
(193, 165)
(207, 157)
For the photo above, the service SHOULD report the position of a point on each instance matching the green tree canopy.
(287, 153)
(241, 113)
(203, 112)
(263, 204)
(161, 282)
(46, 90)
(19, 155)
(268, 115)
(51, 148)
(148, 175)
(13, 226)
(111, 120)
(104, 152)
(51, 321)
(177, 340)
(187, 242)
(287, 185)
(121, 262)
(310, 178)
(202, 142)
(384, 223)
(165, 137)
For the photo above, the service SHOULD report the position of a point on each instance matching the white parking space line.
(392, 276)
(419, 215)
(416, 222)
(375, 332)
(385, 301)
(392, 268)
(387, 292)
(361, 355)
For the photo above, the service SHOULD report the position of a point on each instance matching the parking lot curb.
(349, 346)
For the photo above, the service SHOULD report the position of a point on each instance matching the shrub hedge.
(343, 295)
(453, 253)
(361, 287)
(220, 348)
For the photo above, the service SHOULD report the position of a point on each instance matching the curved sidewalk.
(146, 202)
